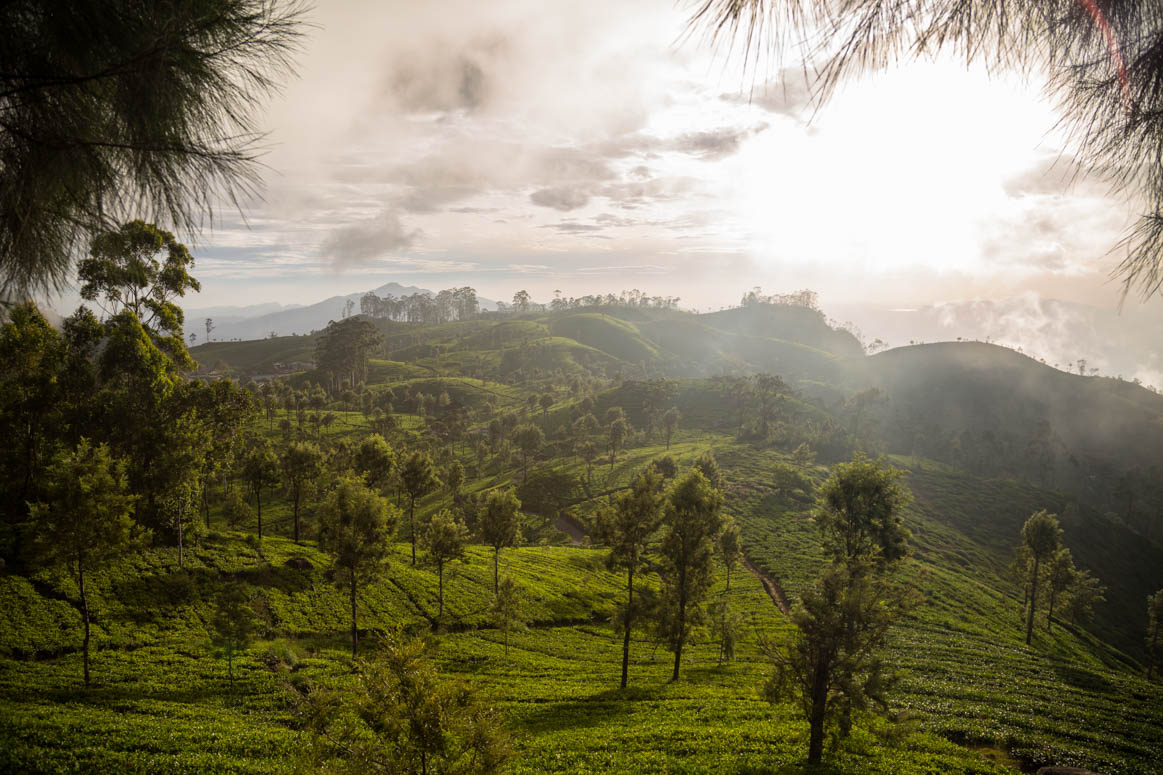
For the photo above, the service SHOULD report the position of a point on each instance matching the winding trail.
(769, 584)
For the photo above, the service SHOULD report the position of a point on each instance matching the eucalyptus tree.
(85, 521)
(728, 547)
(356, 527)
(418, 478)
(1042, 538)
(260, 471)
(301, 464)
(443, 541)
(691, 525)
(529, 439)
(626, 529)
(498, 521)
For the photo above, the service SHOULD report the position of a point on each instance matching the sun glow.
(900, 169)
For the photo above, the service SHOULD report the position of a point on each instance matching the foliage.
(85, 520)
(418, 478)
(859, 513)
(626, 529)
(118, 106)
(691, 526)
(402, 717)
(343, 349)
(355, 526)
(234, 624)
(260, 471)
(498, 524)
(443, 541)
(302, 464)
(1041, 537)
(507, 612)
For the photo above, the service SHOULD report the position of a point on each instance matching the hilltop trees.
(84, 520)
(691, 525)
(1041, 538)
(418, 478)
(831, 666)
(343, 349)
(356, 527)
(444, 541)
(626, 528)
(498, 523)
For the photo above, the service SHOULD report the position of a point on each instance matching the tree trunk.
(354, 631)
(412, 527)
(816, 720)
(496, 569)
(84, 615)
(1050, 613)
(1033, 602)
(258, 501)
(728, 589)
(440, 593)
(296, 504)
(181, 557)
(206, 505)
(680, 635)
(629, 619)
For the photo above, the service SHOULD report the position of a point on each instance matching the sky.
(593, 147)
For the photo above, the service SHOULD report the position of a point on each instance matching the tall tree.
(343, 349)
(85, 521)
(1042, 537)
(626, 529)
(728, 547)
(616, 434)
(122, 106)
(375, 461)
(443, 542)
(670, 420)
(234, 624)
(859, 512)
(691, 525)
(498, 522)
(418, 478)
(302, 464)
(260, 471)
(709, 467)
(356, 527)
(123, 272)
(506, 612)
(528, 438)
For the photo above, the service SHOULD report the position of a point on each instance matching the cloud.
(367, 240)
(788, 94)
(714, 144)
(564, 198)
(572, 226)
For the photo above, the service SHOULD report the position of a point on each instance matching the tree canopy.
(120, 106)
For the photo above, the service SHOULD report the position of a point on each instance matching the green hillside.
(986, 437)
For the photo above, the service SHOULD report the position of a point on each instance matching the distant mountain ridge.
(261, 320)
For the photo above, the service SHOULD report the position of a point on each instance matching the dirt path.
(773, 589)
(571, 528)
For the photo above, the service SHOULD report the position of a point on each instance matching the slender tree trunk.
(728, 566)
(816, 720)
(629, 619)
(1050, 613)
(84, 614)
(258, 501)
(440, 593)
(1033, 602)
(680, 635)
(354, 631)
(296, 504)
(412, 527)
(206, 504)
(181, 557)
(496, 569)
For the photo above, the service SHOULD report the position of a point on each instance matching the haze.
(593, 149)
